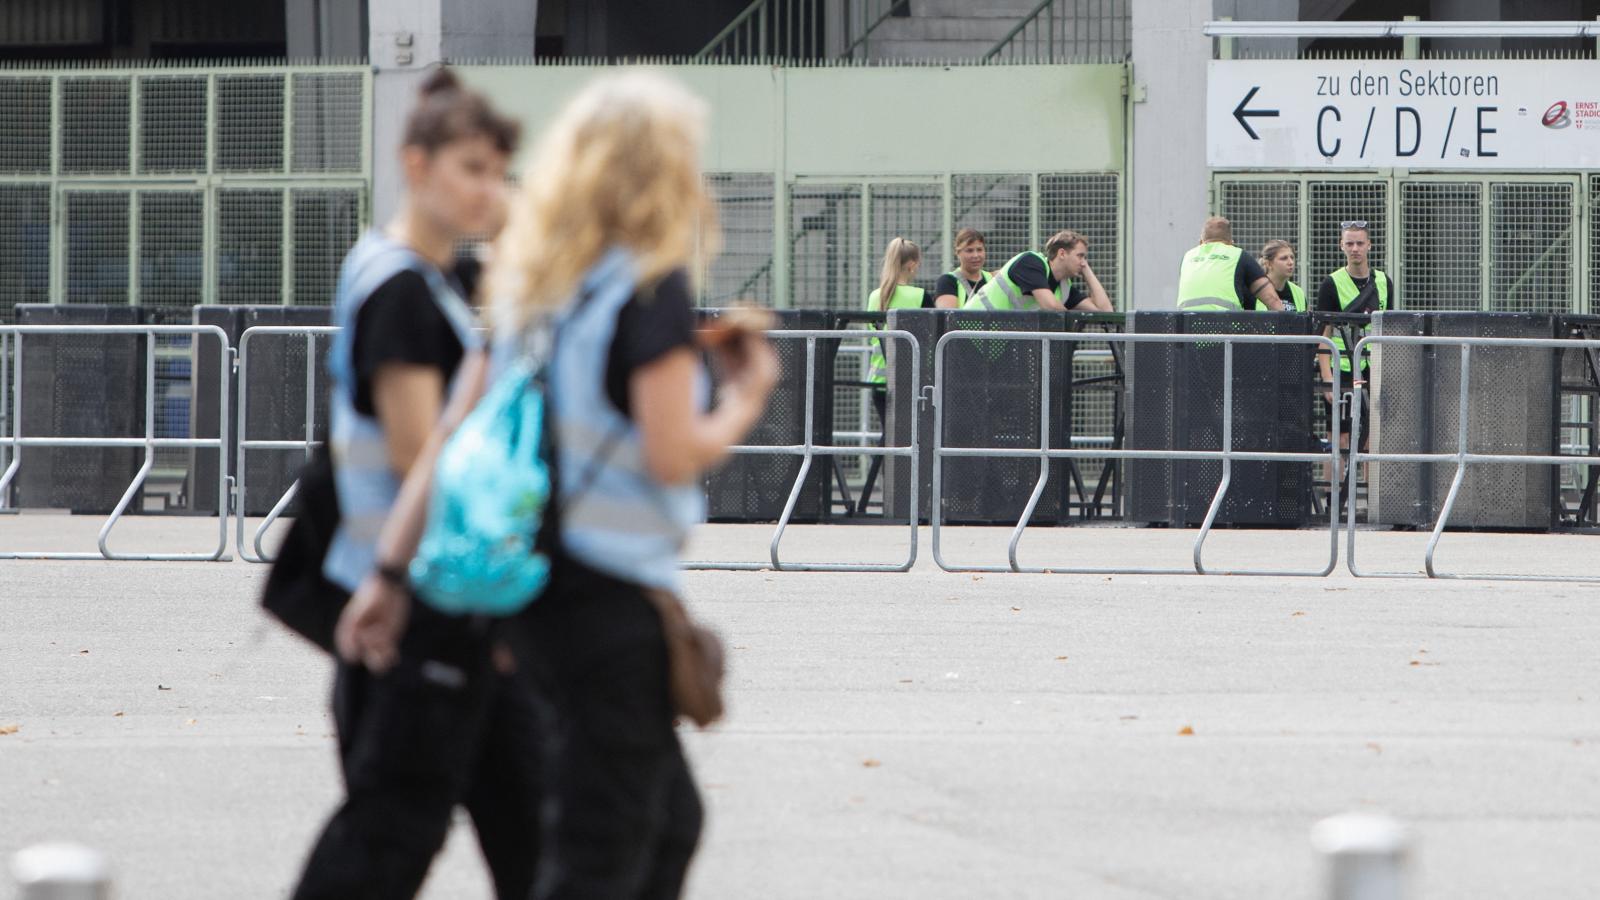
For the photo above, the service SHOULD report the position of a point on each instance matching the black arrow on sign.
(1239, 113)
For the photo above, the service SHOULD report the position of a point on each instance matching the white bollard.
(61, 872)
(1366, 856)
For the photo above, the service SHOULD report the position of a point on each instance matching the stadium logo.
(1556, 116)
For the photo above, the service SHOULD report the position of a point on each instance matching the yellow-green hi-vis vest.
(1294, 299)
(1205, 283)
(1348, 292)
(961, 284)
(905, 297)
(1001, 293)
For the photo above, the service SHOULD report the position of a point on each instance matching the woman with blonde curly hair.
(597, 253)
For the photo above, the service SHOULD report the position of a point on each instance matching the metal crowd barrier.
(809, 450)
(1461, 457)
(149, 442)
(1045, 453)
(306, 444)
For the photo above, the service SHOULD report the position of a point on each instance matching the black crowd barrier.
(1580, 397)
(749, 488)
(1175, 403)
(1514, 409)
(277, 403)
(72, 386)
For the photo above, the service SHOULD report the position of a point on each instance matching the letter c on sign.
(1322, 148)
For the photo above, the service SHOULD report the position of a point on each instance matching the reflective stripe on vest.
(1205, 283)
(624, 523)
(905, 297)
(962, 291)
(364, 480)
(1002, 293)
(1346, 286)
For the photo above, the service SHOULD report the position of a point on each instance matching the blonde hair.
(619, 166)
(901, 251)
(1273, 249)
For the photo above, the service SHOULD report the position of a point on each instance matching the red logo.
(1555, 115)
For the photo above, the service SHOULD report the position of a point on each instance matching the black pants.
(626, 816)
(441, 728)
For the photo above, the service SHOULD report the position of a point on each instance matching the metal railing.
(1063, 31)
(149, 442)
(246, 443)
(1045, 453)
(1462, 456)
(808, 450)
(771, 29)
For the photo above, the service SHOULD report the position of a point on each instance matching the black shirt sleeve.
(654, 322)
(1394, 291)
(1245, 274)
(468, 274)
(1073, 296)
(946, 285)
(1029, 274)
(401, 323)
(1327, 296)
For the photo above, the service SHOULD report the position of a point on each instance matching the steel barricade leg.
(1044, 456)
(805, 460)
(1226, 480)
(1461, 464)
(16, 417)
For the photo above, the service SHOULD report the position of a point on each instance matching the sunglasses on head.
(1352, 223)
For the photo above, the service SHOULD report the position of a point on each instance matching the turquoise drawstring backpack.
(491, 490)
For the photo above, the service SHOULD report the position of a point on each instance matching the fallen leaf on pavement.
(1016, 609)
(871, 763)
(1375, 747)
(117, 714)
(162, 687)
(10, 729)
(905, 681)
(1059, 658)
(1292, 615)
(191, 721)
(1186, 730)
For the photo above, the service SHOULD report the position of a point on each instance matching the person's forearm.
(711, 435)
(1098, 298)
(1048, 300)
(946, 301)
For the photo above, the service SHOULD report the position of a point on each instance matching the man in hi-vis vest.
(1354, 288)
(1218, 277)
(1034, 280)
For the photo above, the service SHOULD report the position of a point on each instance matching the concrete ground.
(904, 735)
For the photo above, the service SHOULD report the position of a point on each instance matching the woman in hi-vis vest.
(437, 720)
(600, 245)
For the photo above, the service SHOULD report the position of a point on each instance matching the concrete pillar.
(410, 36)
(1169, 178)
(326, 29)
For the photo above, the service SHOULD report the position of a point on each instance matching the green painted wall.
(853, 120)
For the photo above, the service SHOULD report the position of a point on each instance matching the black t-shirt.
(401, 323)
(1030, 273)
(655, 321)
(1245, 274)
(1328, 292)
(947, 284)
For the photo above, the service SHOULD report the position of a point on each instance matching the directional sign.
(1242, 114)
(1416, 114)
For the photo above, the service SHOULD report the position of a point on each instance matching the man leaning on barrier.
(1354, 288)
(1034, 280)
(1217, 276)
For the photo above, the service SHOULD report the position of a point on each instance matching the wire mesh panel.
(1531, 247)
(250, 246)
(171, 248)
(825, 262)
(1441, 240)
(996, 205)
(250, 123)
(328, 122)
(1087, 204)
(1263, 211)
(94, 126)
(326, 225)
(742, 271)
(172, 124)
(97, 246)
(24, 247)
(1332, 203)
(912, 211)
(25, 141)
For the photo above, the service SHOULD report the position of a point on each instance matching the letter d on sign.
(1400, 113)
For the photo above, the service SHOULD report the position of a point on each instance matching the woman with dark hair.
(445, 723)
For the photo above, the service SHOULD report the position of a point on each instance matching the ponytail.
(900, 252)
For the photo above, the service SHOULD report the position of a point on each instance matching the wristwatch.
(394, 573)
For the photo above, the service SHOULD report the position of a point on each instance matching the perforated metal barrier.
(1043, 452)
